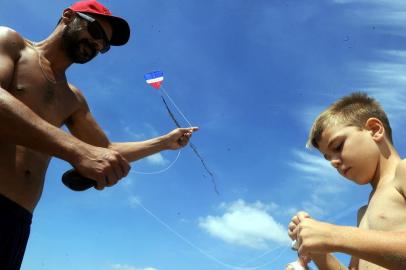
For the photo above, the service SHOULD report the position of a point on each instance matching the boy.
(354, 134)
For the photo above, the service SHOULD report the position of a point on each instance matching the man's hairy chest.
(53, 101)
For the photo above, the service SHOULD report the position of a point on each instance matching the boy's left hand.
(315, 237)
(179, 137)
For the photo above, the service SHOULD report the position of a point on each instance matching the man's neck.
(51, 48)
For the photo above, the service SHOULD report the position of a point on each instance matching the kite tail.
(205, 167)
(213, 180)
(176, 107)
(170, 113)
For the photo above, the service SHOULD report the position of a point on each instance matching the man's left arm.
(83, 126)
(175, 139)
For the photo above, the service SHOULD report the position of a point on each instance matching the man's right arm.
(20, 125)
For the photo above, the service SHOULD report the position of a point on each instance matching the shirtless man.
(36, 100)
(355, 136)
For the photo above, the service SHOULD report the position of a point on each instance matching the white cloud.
(386, 81)
(135, 135)
(129, 267)
(249, 225)
(314, 167)
(157, 159)
(378, 12)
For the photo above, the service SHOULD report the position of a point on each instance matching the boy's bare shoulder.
(11, 42)
(400, 177)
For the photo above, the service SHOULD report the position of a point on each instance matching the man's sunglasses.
(96, 31)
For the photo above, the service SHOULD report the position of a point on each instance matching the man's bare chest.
(33, 85)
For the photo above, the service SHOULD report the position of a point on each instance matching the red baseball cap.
(121, 29)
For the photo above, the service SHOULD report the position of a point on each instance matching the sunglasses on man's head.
(96, 31)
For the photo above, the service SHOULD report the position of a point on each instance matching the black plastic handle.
(73, 180)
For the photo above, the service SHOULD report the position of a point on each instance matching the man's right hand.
(103, 165)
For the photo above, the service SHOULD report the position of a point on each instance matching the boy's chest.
(386, 211)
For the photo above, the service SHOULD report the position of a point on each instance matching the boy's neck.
(386, 168)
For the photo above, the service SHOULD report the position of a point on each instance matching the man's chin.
(82, 59)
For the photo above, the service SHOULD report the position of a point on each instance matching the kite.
(155, 80)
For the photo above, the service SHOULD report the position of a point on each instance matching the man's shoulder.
(78, 94)
(11, 41)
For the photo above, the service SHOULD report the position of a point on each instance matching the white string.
(229, 266)
(263, 255)
(160, 171)
(201, 251)
(176, 107)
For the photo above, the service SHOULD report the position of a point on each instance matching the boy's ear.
(376, 128)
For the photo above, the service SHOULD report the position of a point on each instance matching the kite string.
(160, 171)
(176, 107)
(201, 251)
(194, 148)
(331, 219)
(215, 259)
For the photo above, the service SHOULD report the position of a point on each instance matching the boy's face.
(352, 151)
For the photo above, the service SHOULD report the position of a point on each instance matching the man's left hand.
(179, 137)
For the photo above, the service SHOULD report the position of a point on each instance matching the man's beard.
(79, 50)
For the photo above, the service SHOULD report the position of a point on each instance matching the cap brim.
(121, 30)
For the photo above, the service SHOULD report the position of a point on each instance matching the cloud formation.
(157, 159)
(244, 224)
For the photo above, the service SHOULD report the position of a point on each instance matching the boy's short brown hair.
(352, 110)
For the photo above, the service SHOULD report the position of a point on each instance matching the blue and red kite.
(154, 79)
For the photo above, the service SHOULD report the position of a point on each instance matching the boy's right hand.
(105, 166)
(292, 232)
(296, 219)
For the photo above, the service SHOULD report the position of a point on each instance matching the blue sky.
(252, 75)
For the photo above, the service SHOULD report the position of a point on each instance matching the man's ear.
(376, 128)
(67, 16)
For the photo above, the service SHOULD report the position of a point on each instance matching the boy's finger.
(302, 215)
(295, 220)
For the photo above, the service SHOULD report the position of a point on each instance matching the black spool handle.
(76, 182)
